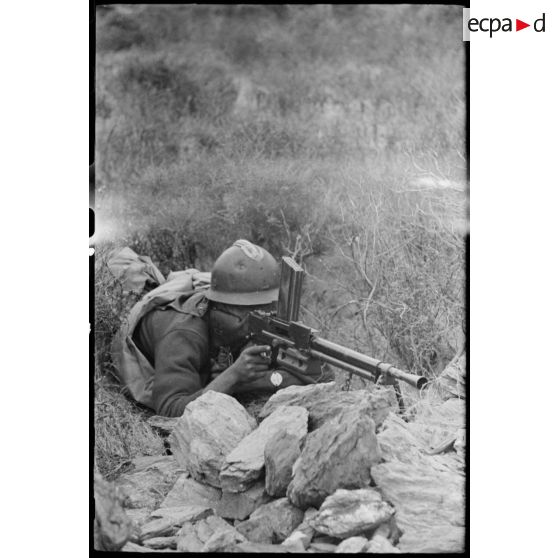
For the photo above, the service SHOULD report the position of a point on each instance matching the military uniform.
(175, 339)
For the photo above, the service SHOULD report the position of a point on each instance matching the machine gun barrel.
(361, 362)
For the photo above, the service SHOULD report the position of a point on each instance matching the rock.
(187, 491)
(352, 545)
(297, 541)
(149, 482)
(351, 512)
(112, 527)
(222, 541)
(427, 491)
(189, 542)
(239, 505)
(389, 530)
(302, 535)
(429, 505)
(211, 426)
(337, 455)
(380, 545)
(194, 535)
(347, 513)
(280, 454)
(245, 463)
(436, 424)
(169, 520)
(271, 523)
(397, 442)
(191, 513)
(138, 517)
(325, 401)
(157, 543)
(451, 382)
(132, 547)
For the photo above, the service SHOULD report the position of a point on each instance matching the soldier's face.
(229, 324)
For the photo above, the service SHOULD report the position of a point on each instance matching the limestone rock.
(451, 382)
(427, 491)
(301, 537)
(211, 426)
(352, 545)
(297, 541)
(322, 547)
(325, 401)
(138, 516)
(194, 535)
(112, 527)
(133, 547)
(169, 520)
(301, 396)
(351, 512)
(337, 455)
(271, 523)
(435, 425)
(397, 441)
(380, 545)
(239, 505)
(280, 455)
(158, 543)
(151, 479)
(222, 541)
(187, 491)
(429, 505)
(389, 530)
(190, 513)
(244, 464)
(189, 542)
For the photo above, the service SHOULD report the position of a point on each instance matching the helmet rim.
(243, 299)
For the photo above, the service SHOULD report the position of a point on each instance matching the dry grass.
(121, 432)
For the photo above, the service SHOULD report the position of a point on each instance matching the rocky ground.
(318, 470)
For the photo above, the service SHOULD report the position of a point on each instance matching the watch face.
(276, 379)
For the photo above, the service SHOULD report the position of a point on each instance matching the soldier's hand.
(251, 363)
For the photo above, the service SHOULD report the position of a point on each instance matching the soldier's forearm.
(225, 382)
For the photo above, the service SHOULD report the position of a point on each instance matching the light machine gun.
(296, 347)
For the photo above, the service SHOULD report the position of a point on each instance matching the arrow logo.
(519, 25)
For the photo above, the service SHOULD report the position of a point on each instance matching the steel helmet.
(244, 275)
